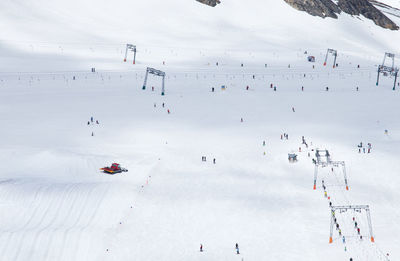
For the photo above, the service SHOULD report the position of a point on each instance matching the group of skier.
(236, 248)
(364, 148)
(92, 121)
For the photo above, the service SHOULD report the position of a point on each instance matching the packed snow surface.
(55, 203)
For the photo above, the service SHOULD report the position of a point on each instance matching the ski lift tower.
(334, 53)
(132, 48)
(324, 160)
(342, 209)
(156, 73)
(388, 70)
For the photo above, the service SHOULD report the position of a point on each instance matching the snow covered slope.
(174, 30)
(55, 204)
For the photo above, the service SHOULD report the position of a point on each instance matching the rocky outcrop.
(327, 8)
(209, 2)
(321, 8)
(365, 8)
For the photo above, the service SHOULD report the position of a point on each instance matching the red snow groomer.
(114, 169)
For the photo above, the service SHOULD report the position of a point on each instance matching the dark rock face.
(365, 8)
(327, 8)
(209, 2)
(321, 8)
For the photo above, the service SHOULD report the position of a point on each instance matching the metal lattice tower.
(324, 160)
(356, 208)
(334, 53)
(132, 48)
(157, 73)
(388, 70)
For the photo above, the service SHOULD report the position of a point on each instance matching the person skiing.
(97, 122)
(247, 87)
(264, 143)
(358, 230)
(91, 119)
(241, 119)
(344, 240)
(201, 247)
(293, 109)
(302, 88)
(88, 123)
(163, 104)
(237, 249)
(214, 160)
(168, 111)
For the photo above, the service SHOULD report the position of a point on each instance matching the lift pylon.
(388, 70)
(324, 160)
(334, 53)
(157, 73)
(132, 48)
(357, 208)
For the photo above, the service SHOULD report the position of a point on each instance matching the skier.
(247, 88)
(163, 104)
(91, 119)
(355, 224)
(88, 123)
(357, 88)
(364, 150)
(358, 230)
(302, 88)
(92, 134)
(327, 89)
(152, 88)
(275, 88)
(155, 105)
(214, 160)
(344, 240)
(168, 111)
(212, 89)
(241, 119)
(97, 122)
(281, 137)
(201, 247)
(237, 248)
(264, 143)
(293, 109)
